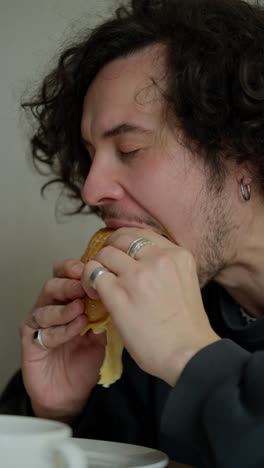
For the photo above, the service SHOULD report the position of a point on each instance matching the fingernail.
(78, 268)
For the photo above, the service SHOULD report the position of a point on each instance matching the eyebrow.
(120, 130)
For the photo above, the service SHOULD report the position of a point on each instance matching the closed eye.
(125, 154)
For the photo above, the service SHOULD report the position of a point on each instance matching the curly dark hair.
(215, 84)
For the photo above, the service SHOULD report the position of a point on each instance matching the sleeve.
(14, 399)
(214, 416)
(123, 412)
(107, 414)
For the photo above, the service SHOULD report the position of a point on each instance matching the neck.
(244, 278)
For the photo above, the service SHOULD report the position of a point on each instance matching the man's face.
(141, 175)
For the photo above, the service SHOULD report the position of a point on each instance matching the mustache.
(107, 212)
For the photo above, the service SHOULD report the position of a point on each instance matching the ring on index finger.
(136, 245)
(95, 275)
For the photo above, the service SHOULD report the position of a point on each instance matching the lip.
(117, 223)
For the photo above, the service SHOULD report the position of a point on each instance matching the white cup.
(27, 442)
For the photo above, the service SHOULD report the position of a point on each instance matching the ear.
(244, 177)
(244, 172)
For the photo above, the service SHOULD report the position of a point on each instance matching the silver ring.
(136, 245)
(34, 321)
(95, 275)
(38, 339)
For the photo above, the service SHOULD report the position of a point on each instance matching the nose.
(103, 183)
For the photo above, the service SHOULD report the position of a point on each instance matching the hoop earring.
(245, 190)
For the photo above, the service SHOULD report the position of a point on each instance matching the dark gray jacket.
(214, 417)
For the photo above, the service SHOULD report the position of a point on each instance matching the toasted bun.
(96, 243)
(100, 321)
(94, 308)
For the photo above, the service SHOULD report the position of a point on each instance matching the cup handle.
(68, 455)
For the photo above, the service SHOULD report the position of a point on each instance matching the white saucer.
(102, 454)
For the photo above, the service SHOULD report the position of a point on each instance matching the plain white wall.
(31, 31)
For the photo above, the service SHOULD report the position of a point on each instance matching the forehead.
(126, 88)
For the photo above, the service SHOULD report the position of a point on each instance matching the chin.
(205, 278)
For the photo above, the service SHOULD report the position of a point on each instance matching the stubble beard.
(216, 250)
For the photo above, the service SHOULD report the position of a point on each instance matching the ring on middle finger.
(136, 245)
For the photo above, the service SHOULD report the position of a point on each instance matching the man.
(156, 122)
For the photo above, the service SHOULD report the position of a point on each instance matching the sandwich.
(99, 320)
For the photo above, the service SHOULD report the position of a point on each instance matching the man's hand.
(60, 379)
(154, 301)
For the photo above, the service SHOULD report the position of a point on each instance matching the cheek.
(154, 188)
(171, 197)
(149, 181)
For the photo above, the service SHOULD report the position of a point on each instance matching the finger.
(115, 260)
(88, 270)
(121, 264)
(108, 287)
(53, 315)
(61, 290)
(56, 336)
(68, 269)
(123, 238)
